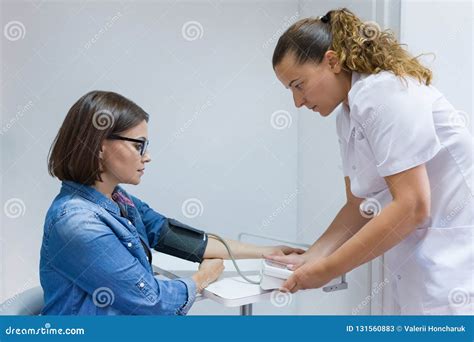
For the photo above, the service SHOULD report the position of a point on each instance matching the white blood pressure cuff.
(182, 241)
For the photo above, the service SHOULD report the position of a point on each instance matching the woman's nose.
(146, 157)
(299, 100)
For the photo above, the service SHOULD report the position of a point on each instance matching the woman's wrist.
(198, 278)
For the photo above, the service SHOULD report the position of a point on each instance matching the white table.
(230, 289)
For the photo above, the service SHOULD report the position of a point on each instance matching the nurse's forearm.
(240, 250)
(346, 223)
(395, 223)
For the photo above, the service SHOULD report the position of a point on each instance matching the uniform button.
(129, 244)
(142, 284)
(399, 277)
(354, 167)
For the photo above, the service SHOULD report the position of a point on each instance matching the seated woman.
(95, 255)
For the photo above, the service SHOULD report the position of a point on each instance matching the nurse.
(407, 164)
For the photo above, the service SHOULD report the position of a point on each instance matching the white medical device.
(274, 274)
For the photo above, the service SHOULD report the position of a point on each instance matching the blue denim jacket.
(93, 262)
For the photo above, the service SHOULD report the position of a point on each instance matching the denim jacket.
(93, 261)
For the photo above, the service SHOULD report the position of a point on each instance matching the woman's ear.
(332, 61)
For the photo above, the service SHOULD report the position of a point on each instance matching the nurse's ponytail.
(360, 47)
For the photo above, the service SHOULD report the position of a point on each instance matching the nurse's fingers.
(290, 285)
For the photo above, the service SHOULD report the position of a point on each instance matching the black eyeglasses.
(141, 148)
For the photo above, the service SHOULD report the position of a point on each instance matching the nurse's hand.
(293, 260)
(311, 275)
(282, 251)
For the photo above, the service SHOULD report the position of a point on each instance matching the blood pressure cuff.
(182, 241)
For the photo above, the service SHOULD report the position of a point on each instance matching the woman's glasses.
(142, 143)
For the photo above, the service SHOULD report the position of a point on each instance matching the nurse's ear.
(333, 63)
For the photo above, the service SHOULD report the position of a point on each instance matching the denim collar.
(91, 194)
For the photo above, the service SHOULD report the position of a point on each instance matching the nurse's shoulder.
(386, 93)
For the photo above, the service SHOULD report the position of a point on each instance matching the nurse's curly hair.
(360, 46)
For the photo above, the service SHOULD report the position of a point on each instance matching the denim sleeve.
(152, 221)
(86, 251)
(170, 236)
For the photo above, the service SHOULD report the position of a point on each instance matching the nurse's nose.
(298, 99)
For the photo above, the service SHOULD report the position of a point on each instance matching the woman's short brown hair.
(74, 154)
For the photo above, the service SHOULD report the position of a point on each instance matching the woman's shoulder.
(66, 206)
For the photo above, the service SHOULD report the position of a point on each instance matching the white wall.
(211, 102)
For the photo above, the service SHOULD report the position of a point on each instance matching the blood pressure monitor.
(274, 274)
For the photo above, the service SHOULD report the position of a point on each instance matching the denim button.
(129, 244)
(130, 223)
(142, 284)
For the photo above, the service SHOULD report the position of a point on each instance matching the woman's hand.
(311, 275)
(209, 271)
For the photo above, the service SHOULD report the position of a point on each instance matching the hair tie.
(326, 18)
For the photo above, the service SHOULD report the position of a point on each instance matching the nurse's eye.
(299, 86)
(138, 146)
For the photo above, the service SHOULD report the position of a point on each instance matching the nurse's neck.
(346, 84)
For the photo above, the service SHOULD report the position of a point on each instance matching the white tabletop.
(230, 289)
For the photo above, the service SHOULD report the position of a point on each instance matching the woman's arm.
(240, 250)
(409, 208)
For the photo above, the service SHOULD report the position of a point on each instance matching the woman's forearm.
(347, 222)
(240, 250)
(379, 235)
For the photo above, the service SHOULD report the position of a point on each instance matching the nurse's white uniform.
(392, 125)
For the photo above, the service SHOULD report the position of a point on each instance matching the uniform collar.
(91, 194)
(355, 77)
